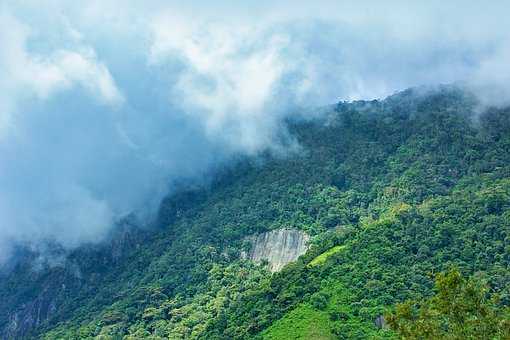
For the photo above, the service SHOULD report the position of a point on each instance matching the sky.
(105, 104)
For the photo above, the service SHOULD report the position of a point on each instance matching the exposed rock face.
(278, 247)
(29, 316)
(60, 281)
(380, 322)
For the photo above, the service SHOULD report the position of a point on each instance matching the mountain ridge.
(374, 177)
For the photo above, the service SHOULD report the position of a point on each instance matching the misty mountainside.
(379, 197)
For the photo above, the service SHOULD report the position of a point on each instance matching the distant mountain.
(380, 196)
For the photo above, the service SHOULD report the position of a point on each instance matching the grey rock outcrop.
(29, 316)
(380, 322)
(278, 247)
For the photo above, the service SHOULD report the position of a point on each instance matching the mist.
(105, 104)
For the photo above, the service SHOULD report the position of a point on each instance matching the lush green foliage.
(304, 322)
(324, 256)
(460, 309)
(391, 193)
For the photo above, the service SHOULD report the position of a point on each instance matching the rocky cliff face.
(278, 247)
(30, 316)
(61, 281)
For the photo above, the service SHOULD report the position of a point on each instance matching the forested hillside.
(391, 193)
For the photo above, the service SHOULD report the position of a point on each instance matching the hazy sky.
(104, 103)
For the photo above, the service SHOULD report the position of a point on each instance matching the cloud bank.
(103, 105)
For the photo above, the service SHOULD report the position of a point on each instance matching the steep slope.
(389, 192)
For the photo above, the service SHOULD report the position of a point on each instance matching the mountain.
(320, 243)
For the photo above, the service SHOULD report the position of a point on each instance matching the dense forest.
(407, 204)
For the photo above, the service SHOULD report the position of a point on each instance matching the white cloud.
(491, 79)
(71, 67)
(25, 73)
(230, 77)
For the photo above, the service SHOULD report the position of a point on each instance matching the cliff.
(278, 247)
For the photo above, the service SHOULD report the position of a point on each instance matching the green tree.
(460, 309)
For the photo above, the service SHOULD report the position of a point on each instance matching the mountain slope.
(389, 191)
